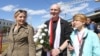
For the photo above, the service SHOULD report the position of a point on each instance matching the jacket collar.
(75, 32)
(23, 26)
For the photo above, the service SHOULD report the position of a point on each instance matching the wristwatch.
(60, 50)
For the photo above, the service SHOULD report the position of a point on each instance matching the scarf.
(57, 36)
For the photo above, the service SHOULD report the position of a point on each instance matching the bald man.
(59, 31)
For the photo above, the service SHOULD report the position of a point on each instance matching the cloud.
(33, 12)
(46, 16)
(78, 1)
(89, 9)
(64, 7)
(79, 8)
(36, 12)
(8, 8)
(71, 8)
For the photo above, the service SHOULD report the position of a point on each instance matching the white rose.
(42, 41)
(37, 34)
(35, 39)
(45, 25)
(46, 30)
(40, 37)
(34, 36)
(43, 34)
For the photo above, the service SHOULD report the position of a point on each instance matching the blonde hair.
(80, 17)
(20, 11)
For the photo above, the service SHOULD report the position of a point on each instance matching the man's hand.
(55, 52)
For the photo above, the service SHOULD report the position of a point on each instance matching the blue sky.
(38, 10)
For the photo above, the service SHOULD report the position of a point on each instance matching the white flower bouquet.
(42, 37)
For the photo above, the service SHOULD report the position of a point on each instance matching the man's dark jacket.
(65, 34)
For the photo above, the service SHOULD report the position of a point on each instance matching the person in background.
(98, 29)
(20, 37)
(90, 24)
(59, 31)
(84, 41)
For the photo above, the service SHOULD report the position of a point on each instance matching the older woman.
(85, 42)
(20, 37)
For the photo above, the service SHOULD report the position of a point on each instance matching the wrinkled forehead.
(55, 6)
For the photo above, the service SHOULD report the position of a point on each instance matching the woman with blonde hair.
(20, 37)
(84, 41)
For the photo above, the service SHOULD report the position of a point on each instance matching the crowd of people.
(81, 38)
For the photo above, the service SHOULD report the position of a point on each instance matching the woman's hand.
(70, 47)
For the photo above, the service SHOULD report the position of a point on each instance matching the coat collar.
(75, 32)
(23, 26)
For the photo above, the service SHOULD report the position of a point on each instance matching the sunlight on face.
(55, 10)
(79, 21)
(78, 24)
(21, 18)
